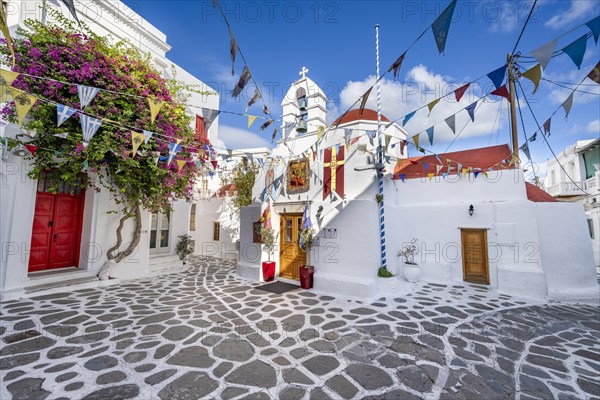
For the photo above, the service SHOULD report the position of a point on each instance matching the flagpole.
(513, 112)
(379, 162)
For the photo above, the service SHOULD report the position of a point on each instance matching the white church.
(488, 228)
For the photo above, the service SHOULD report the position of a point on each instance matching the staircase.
(165, 264)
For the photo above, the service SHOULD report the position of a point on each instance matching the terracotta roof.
(225, 190)
(354, 115)
(478, 159)
(538, 195)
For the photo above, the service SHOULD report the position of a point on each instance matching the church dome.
(354, 115)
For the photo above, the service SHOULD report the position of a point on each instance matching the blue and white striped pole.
(380, 157)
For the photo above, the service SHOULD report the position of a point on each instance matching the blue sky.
(335, 40)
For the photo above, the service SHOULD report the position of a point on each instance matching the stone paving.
(206, 334)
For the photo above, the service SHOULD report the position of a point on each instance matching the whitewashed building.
(579, 182)
(481, 226)
(85, 250)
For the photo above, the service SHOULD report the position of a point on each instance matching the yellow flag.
(155, 106)
(485, 174)
(432, 104)
(23, 103)
(320, 132)
(430, 175)
(7, 77)
(465, 170)
(180, 165)
(251, 119)
(534, 74)
(416, 140)
(136, 140)
(6, 32)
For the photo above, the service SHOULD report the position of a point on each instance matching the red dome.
(354, 115)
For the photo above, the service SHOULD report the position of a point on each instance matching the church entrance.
(56, 230)
(291, 256)
(475, 256)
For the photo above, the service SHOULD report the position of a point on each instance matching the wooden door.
(291, 256)
(41, 235)
(475, 256)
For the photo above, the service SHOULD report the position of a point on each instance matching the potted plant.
(386, 282)
(410, 267)
(268, 241)
(184, 247)
(306, 272)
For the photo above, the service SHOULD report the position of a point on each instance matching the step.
(60, 284)
(167, 264)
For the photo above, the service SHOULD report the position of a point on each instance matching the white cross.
(303, 72)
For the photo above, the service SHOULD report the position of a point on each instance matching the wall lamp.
(471, 209)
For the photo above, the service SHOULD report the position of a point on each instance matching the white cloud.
(593, 126)
(236, 138)
(577, 10)
(420, 87)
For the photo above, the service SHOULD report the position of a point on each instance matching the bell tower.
(304, 106)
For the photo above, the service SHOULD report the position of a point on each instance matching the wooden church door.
(291, 256)
(475, 256)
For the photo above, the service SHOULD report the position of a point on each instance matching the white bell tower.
(305, 105)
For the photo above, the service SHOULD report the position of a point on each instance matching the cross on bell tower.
(303, 72)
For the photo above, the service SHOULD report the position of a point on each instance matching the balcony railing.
(575, 188)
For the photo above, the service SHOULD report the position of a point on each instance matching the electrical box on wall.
(330, 233)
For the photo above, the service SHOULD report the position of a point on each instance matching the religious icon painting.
(298, 176)
(333, 171)
(256, 228)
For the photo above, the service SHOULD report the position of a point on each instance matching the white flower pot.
(412, 272)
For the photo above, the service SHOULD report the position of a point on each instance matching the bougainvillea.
(66, 54)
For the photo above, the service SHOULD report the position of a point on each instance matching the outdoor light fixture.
(19, 151)
(471, 209)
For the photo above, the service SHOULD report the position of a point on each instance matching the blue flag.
(408, 117)
(430, 134)
(497, 76)
(471, 110)
(576, 50)
(63, 113)
(594, 26)
(441, 26)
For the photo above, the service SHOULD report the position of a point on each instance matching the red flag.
(402, 144)
(397, 64)
(356, 139)
(547, 127)
(265, 219)
(461, 91)
(363, 101)
(31, 148)
(502, 91)
(214, 163)
(333, 171)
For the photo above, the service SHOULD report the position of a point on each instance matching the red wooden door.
(41, 236)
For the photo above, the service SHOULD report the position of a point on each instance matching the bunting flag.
(432, 104)
(174, 148)
(136, 140)
(61, 135)
(265, 125)
(458, 93)
(497, 76)
(402, 177)
(476, 173)
(408, 117)
(471, 110)
(265, 218)
(89, 126)
(363, 101)
(347, 137)
(353, 141)
(147, 136)
(214, 164)
(254, 98)
(265, 109)
(242, 82)
(416, 140)
(533, 137)
(306, 223)
(396, 65)
(451, 122)
(6, 33)
(86, 94)
(31, 148)
(595, 73)
(23, 103)
(180, 165)
(425, 166)
(502, 91)
(333, 172)
(287, 128)
(430, 135)
(567, 104)
(547, 126)
(544, 53)
(233, 47)
(441, 26)
(320, 132)
(576, 50)
(63, 113)
(402, 144)
(387, 139)
(430, 176)
(155, 106)
(274, 135)
(71, 8)
(209, 117)
(594, 26)
(251, 119)
(525, 149)
(7, 78)
(534, 74)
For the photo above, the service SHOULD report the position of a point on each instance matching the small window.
(204, 184)
(216, 230)
(193, 218)
(591, 228)
(288, 230)
(200, 132)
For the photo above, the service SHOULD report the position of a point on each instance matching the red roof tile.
(354, 115)
(538, 195)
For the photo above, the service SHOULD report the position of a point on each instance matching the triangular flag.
(441, 26)
(430, 134)
(7, 77)
(209, 116)
(233, 47)
(363, 101)
(265, 125)
(63, 113)
(451, 122)
(471, 110)
(147, 136)
(430, 176)
(242, 82)
(174, 148)
(86, 94)
(155, 106)
(544, 53)
(567, 104)
(594, 26)
(254, 98)
(71, 7)
(89, 126)
(251, 119)
(534, 74)
(547, 126)
(458, 93)
(525, 149)
(180, 165)
(402, 177)
(595, 73)
(6, 32)
(402, 144)
(425, 166)
(576, 50)
(387, 139)
(438, 168)
(136, 140)
(416, 140)
(476, 173)
(497, 76)
(23, 103)
(397, 64)
(533, 137)
(274, 135)
(502, 91)
(320, 132)
(408, 117)
(432, 104)
(32, 148)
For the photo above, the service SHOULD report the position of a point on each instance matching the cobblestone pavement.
(206, 334)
